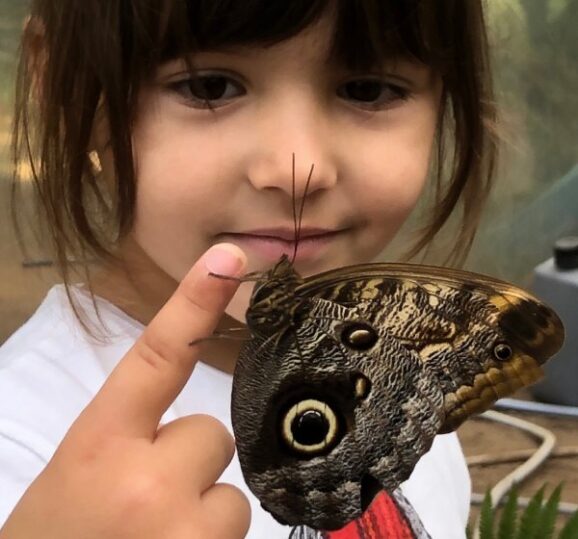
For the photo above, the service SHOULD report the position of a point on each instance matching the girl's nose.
(285, 153)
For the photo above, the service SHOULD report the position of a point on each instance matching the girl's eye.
(372, 93)
(208, 91)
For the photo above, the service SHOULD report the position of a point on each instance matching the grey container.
(556, 283)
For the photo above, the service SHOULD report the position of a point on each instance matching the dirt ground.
(22, 288)
(480, 437)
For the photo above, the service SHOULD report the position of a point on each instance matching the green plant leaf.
(487, 518)
(545, 528)
(531, 517)
(570, 530)
(509, 518)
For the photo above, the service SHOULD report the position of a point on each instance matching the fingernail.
(223, 261)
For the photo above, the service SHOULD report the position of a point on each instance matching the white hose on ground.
(517, 455)
(537, 407)
(564, 507)
(502, 487)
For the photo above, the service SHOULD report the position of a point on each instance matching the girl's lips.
(272, 247)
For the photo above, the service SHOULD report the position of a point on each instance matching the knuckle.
(140, 491)
(217, 430)
(237, 496)
(210, 422)
(239, 510)
(85, 447)
(154, 350)
(197, 301)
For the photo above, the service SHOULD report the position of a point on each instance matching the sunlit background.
(536, 198)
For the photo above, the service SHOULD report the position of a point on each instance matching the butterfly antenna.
(297, 221)
(293, 200)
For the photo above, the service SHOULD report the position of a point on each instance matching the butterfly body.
(350, 374)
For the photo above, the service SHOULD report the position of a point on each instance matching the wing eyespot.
(310, 428)
(503, 352)
(358, 336)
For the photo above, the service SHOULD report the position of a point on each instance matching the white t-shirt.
(50, 369)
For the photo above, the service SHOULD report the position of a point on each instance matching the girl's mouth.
(271, 244)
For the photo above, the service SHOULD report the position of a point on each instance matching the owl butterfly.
(350, 374)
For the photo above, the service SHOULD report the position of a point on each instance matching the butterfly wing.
(350, 374)
(481, 337)
(323, 421)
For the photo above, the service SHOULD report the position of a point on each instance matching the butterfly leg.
(227, 334)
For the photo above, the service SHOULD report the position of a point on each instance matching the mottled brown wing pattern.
(350, 374)
(382, 413)
(454, 319)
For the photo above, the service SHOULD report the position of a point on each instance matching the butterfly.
(348, 376)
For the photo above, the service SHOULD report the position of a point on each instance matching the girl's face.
(208, 175)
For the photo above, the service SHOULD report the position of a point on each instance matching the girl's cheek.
(391, 198)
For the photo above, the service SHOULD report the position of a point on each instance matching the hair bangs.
(366, 32)
(197, 25)
(371, 32)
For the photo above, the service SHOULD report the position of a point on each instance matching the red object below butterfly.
(388, 517)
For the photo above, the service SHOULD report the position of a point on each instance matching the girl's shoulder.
(47, 323)
(50, 368)
(55, 331)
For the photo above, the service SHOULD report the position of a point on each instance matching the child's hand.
(117, 474)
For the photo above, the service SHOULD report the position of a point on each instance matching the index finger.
(152, 373)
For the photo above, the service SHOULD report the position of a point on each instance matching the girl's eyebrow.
(191, 55)
(229, 50)
(205, 55)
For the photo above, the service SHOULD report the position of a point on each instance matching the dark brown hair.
(94, 55)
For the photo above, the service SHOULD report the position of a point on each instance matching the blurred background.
(536, 196)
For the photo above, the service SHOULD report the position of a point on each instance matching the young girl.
(161, 134)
